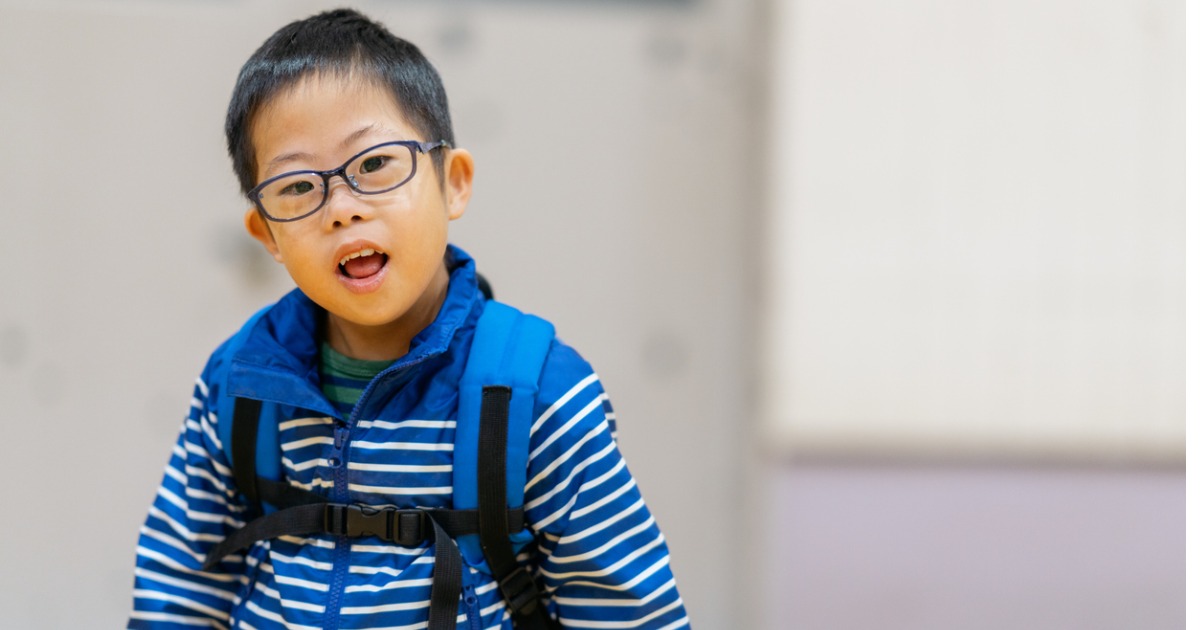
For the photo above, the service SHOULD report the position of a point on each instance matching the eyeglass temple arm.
(426, 147)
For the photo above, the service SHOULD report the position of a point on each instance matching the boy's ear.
(257, 226)
(460, 173)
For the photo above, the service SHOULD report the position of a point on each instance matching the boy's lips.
(361, 266)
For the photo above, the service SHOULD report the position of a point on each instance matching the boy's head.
(341, 43)
(339, 132)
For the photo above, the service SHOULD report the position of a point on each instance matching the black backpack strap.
(303, 512)
(484, 286)
(447, 580)
(407, 527)
(517, 586)
(246, 412)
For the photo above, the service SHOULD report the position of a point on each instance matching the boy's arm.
(601, 556)
(194, 509)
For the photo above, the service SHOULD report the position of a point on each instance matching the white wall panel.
(976, 229)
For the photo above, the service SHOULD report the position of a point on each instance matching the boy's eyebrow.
(290, 157)
(300, 155)
(360, 133)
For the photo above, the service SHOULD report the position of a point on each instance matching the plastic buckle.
(357, 521)
(367, 521)
(520, 591)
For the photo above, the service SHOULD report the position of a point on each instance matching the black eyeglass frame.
(414, 147)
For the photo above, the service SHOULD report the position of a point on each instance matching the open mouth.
(362, 264)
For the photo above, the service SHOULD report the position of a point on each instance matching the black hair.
(342, 42)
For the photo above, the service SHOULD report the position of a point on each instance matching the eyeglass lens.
(376, 171)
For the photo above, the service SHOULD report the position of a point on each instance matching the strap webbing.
(447, 580)
(404, 527)
(408, 527)
(304, 512)
(246, 412)
(516, 584)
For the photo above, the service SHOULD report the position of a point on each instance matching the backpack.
(491, 447)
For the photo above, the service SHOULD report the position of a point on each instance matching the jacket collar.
(280, 358)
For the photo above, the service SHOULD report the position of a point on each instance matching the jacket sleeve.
(195, 508)
(600, 555)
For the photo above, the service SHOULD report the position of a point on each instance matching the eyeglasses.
(384, 167)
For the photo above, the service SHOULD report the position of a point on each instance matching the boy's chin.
(366, 318)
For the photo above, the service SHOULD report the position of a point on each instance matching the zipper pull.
(471, 601)
(339, 435)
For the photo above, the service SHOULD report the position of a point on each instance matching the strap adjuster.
(520, 591)
(410, 528)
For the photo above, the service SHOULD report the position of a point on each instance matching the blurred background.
(888, 295)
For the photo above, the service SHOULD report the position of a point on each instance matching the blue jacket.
(598, 553)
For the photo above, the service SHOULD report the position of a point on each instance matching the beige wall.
(611, 197)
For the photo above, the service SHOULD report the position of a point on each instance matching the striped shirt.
(344, 378)
(597, 552)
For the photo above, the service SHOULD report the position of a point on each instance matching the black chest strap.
(302, 512)
(406, 527)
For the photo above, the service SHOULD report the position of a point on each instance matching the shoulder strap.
(249, 436)
(509, 349)
(243, 450)
(491, 449)
(257, 461)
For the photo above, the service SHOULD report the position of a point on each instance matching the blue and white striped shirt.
(598, 553)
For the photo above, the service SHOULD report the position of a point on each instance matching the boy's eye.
(373, 163)
(297, 188)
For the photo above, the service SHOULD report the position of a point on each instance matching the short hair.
(342, 42)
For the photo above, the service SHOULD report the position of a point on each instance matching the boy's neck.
(393, 340)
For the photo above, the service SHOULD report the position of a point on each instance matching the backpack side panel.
(510, 349)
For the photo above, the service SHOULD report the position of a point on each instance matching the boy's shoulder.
(261, 336)
(562, 367)
(565, 368)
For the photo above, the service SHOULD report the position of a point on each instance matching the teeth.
(363, 252)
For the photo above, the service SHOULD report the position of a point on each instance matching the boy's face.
(318, 125)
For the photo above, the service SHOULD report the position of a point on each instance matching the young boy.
(340, 135)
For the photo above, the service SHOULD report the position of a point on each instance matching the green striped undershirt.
(344, 378)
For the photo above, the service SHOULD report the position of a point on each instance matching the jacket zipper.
(471, 601)
(341, 493)
(341, 559)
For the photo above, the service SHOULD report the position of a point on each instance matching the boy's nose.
(344, 205)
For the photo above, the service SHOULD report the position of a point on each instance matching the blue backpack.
(491, 447)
